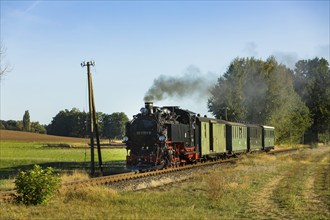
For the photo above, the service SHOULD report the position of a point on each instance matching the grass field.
(259, 186)
(21, 150)
(292, 186)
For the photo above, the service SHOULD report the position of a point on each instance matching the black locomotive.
(168, 136)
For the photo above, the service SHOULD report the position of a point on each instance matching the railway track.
(108, 180)
(283, 151)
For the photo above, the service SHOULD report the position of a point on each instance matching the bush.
(36, 186)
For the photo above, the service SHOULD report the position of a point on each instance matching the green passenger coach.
(212, 137)
(268, 134)
(254, 137)
(218, 137)
(236, 137)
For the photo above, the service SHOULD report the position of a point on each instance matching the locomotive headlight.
(162, 138)
(125, 139)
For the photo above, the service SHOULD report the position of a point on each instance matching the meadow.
(21, 150)
(259, 186)
(292, 186)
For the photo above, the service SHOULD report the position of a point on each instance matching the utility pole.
(92, 120)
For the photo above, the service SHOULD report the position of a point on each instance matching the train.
(168, 136)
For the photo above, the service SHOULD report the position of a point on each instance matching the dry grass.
(294, 186)
(75, 175)
(87, 193)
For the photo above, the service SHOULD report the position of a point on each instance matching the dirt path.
(309, 195)
(262, 202)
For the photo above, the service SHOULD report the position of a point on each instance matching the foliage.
(24, 125)
(13, 125)
(36, 186)
(71, 123)
(38, 128)
(75, 123)
(261, 92)
(26, 121)
(114, 125)
(2, 126)
(312, 83)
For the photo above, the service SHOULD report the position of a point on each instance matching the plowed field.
(20, 136)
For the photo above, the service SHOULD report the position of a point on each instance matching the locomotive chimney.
(149, 106)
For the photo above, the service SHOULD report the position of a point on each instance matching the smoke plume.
(288, 59)
(192, 82)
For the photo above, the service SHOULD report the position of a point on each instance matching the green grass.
(292, 186)
(16, 156)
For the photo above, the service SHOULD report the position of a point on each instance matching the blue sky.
(135, 42)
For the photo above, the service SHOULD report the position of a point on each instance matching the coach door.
(205, 137)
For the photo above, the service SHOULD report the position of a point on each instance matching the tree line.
(296, 102)
(23, 125)
(75, 123)
(72, 123)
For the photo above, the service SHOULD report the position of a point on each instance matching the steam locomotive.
(161, 137)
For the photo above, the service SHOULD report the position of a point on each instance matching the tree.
(4, 66)
(2, 126)
(75, 123)
(312, 83)
(114, 125)
(69, 123)
(26, 121)
(38, 128)
(256, 91)
(12, 125)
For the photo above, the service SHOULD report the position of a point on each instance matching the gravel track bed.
(165, 178)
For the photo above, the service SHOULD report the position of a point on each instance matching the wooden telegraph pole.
(92, 120)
